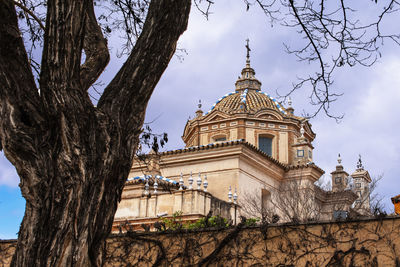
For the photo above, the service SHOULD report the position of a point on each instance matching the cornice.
(212, 146)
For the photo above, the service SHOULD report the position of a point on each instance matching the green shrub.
(252, 221)
(208, 222)
(176, 222)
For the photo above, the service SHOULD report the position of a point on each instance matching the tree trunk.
(73, 158)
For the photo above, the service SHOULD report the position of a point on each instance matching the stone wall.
(7, 248)
(372, 242)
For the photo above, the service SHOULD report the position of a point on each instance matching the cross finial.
(199, 105)
(248, 51)
(359, 163)
(339, 159)
(290, 102)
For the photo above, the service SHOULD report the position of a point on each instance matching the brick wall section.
(370, 242)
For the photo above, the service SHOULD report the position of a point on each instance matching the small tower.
(290, 109)
(199, 112)
(361, 180)
(302, 148)
(339, 177)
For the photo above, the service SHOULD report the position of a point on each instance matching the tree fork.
(73, 159)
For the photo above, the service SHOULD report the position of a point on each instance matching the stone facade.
(247, 144)
(137, 208)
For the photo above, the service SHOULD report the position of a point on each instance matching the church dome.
(252, 115)
(248, 101)
(247, 97)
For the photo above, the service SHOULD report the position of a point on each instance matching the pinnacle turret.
(247, 80)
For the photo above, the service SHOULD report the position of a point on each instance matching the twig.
(30, 13)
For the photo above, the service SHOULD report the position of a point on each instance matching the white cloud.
(369, 127)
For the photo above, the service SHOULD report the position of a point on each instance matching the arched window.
(265, 144)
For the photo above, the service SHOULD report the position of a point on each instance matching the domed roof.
(247, 97)
(248, 101)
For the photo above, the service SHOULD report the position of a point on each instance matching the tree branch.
(20, 108)
(24, 8)
(96, 51)
(61, 57)
(126, 97)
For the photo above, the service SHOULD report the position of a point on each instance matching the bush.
(173, 223)
(176, 223)
(251, 221)
(209, 222)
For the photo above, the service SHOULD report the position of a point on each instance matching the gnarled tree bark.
(73, 158)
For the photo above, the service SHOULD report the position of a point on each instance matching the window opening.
(265, 145)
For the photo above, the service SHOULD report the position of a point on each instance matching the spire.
(302, 129)
(359, 163)
(199, 112)
(290, 109)
(247, 80)
(248, 53)
(339, 159)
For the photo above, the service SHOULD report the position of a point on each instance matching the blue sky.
(216, 55)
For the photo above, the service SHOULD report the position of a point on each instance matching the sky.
(216, 55)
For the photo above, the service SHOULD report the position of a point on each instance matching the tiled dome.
(247, 97)
(247, 101)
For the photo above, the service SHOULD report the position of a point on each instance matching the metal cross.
(359, 163)
(248, 47)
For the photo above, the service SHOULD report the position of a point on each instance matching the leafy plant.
(175, 222)
(251, 221)
(209, 222)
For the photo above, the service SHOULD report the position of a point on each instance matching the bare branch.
(134, 83)
(204, 11)
(24, 8)
(333, 37)
(125, 18)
